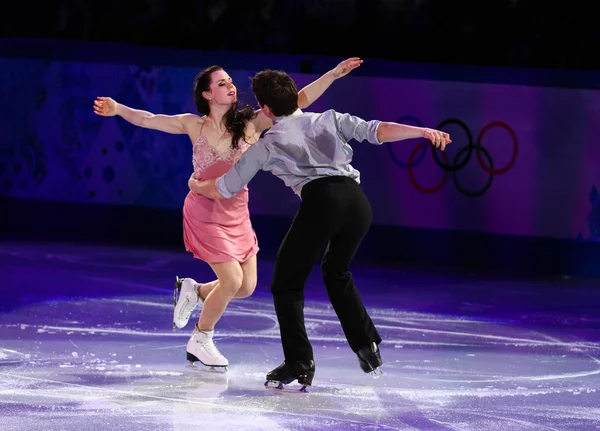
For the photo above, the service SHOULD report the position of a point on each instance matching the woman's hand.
(105, 106)
(345, 67)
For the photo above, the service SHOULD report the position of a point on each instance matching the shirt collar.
(283, 117)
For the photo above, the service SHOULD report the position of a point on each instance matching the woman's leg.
(203, 289)
(201, 347)
(193, 293)
(230, 276)
(248, 282)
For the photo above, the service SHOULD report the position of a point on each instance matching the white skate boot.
(186, 302)
(201, 348)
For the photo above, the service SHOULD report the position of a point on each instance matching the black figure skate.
(303, 371)
(369, 359)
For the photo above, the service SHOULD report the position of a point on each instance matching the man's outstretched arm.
(240, 174)
(392, 132)
(378, 132)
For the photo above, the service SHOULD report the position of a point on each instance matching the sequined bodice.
(204, 157)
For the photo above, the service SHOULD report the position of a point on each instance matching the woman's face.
(222, 91)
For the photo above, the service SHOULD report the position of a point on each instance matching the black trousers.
(334, 213)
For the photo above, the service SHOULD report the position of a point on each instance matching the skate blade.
(278, 386)
(206, 368)
(193, 360)
(376, 373)
(176, 293)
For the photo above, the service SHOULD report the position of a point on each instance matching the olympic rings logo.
(461, 158)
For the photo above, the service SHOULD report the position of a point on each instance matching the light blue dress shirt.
(300, 148)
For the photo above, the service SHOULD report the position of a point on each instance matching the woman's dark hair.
(235, 119)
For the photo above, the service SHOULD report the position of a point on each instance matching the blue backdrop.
(106, 176)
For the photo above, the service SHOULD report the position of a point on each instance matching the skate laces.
(183, 311)
(188, 304)
(210, 347)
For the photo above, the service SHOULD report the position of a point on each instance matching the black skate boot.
(369, 359)
(303, 371)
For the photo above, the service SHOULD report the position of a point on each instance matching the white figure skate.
(185, 300)
(201, 348)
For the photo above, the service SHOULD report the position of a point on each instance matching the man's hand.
(438, 139)
(206, 188)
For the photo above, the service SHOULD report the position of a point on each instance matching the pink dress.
(217, 230)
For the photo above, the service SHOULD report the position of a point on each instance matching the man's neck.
(298, 111)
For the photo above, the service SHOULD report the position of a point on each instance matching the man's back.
(300, 148)
(305, 146)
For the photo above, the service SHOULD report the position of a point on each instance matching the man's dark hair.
(277, 90)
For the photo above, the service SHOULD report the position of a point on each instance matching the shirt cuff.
(222, 189)
(376, 140)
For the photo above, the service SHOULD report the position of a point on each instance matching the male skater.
(310, 153)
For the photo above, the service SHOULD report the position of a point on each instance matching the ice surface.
(86, 343)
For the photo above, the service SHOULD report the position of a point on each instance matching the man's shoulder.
(325, 116)
(303, 120)
(319, 114)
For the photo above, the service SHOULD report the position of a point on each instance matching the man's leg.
(297, 254)
(345, 299)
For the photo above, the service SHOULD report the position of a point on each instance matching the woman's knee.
(250, 277)
(247, 288)
(231, 280)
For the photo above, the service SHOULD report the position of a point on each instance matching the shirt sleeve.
(240, 174)
(352, 127)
